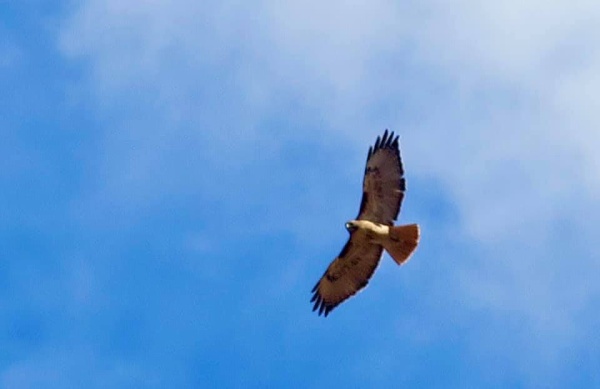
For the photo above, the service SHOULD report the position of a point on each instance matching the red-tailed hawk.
(372, 231)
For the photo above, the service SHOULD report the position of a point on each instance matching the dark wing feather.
(347, 274)
(383, 183)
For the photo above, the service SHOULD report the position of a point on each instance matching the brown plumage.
(372, 231)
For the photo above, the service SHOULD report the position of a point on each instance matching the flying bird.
(372, 231)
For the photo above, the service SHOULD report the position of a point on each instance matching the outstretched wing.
(347, 274)
(383, 184)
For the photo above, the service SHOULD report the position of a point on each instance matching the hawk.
(372, 231)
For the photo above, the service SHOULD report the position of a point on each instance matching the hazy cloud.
(496, 102)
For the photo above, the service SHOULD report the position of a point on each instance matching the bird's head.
(351, 226)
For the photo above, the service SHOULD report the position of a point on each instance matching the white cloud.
(508, 70)
(496, 100)
(510, 41)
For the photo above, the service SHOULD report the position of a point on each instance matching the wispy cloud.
(243, 114)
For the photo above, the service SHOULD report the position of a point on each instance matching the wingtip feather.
(384, 138)
(377, 142)
(316, 305)
(389, 139)
(314, 289)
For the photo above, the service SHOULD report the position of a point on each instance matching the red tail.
(403, 240)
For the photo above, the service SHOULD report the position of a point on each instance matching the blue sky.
(175, 177)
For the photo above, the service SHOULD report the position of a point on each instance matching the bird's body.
(373, 229)
(372, 232)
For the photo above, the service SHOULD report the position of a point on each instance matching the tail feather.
(402, 242)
